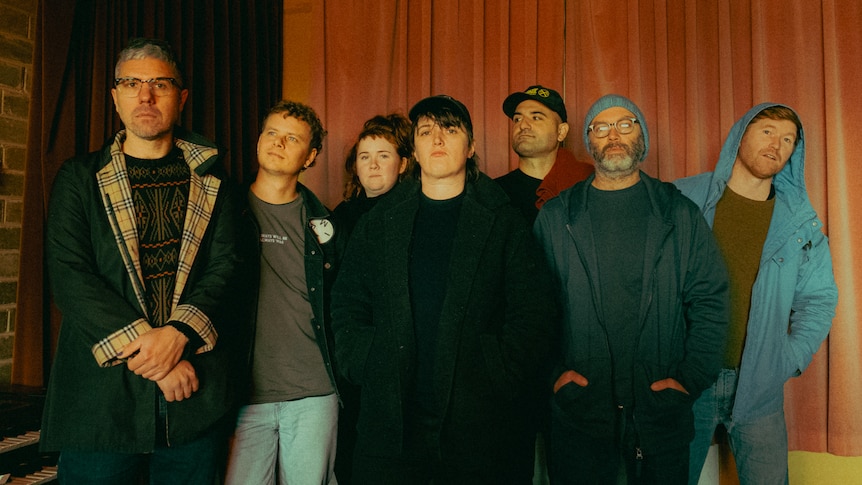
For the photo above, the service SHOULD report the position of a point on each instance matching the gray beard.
(619, 166)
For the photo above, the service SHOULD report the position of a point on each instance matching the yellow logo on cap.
(544, 93)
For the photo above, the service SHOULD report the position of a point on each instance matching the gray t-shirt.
(287, 363)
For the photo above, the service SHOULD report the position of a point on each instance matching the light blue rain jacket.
(794, 295)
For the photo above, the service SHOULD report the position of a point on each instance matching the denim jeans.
(759, 447)
(193, 463)
(300, 436)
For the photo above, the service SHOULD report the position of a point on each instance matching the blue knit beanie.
(612, 101)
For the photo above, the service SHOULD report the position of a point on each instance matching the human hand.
(153, 354)
(570, 376)
(669, 383)
(180, 382)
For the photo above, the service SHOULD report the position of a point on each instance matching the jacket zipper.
(639, 454)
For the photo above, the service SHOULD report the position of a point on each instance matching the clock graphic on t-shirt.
(323, 229)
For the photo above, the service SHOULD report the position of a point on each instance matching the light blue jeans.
(300, 436)
(759, 447)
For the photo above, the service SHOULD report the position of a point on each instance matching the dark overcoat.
(94, 402)
(495, 325)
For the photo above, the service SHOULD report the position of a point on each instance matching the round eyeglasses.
(131, 86)
(624, 126)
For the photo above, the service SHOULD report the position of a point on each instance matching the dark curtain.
(232, 62)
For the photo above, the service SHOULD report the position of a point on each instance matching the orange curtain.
(693, 68)
(837, 186)
(355, 59)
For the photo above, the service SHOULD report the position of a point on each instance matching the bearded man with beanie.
(643, 295)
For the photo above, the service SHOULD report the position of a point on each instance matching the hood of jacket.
(789, 183)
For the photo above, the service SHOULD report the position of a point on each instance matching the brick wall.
(17, 26)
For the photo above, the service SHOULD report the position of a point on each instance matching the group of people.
(437, 326)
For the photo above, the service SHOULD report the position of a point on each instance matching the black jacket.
(683, 315)
(91, 257)
(495, 324)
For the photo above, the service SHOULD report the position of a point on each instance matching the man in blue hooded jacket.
(643, 295)
(782, 290)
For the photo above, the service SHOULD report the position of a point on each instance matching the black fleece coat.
(495, 325)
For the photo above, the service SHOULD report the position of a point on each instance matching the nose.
(278, 141)
(613, 132)
(437, 134)
(146, 92)
(374, 162)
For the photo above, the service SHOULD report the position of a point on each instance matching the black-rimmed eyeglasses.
(624, 126)
(131, 86)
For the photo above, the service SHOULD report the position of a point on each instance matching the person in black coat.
(643, 292)
(442, 311)
(378, 160)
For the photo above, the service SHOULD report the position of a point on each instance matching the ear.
(114, 96)
(310, 158)
(403, 165)
(472, 149)
(562, 132)
(184, 95)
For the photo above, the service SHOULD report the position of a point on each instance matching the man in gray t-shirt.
(287, 363)
(288, 425)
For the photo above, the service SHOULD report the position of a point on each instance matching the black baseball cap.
(546, 96)
(435, 105)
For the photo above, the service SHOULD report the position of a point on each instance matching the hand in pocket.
(669, 383)
(570, 376)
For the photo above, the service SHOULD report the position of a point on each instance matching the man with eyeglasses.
(141, 260)
(643, 294)
(782, 290)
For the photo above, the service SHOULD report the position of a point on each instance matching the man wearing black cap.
(643, 293)
(441, 312)
(539, 127)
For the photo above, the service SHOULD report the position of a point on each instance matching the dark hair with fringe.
(446, 118)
